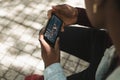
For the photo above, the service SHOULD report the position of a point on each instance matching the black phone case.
(46, 39)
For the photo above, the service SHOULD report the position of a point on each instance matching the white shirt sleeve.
(54, 72)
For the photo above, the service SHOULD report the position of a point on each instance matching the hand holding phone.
(52, 30)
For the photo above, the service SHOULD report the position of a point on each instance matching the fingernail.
(54, 7)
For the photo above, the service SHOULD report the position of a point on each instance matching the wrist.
(82, 18)
(48, 64)
(75, 15)
(51, 61)
(76, 12)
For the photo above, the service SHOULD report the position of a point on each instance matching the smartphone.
(52, 29)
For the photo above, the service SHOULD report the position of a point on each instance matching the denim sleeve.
(115, 75)
(54, 72)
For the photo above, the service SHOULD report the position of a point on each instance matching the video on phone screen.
(53, 29)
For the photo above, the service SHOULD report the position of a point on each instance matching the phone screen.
(52, 29)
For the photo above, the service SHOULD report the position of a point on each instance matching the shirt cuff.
(54, 71)
(82, 18)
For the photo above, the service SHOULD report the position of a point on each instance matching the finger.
(42, 50)
(49, 13)
(53, 10)
(41, 32)
(58, 10)
(57, 43)
(44, 44)
(58, 7)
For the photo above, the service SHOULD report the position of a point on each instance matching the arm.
(113, 23)
(71, 15)
(113, 26)
(51, 58)
(54, 72)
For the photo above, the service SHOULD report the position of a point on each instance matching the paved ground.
(20, 22)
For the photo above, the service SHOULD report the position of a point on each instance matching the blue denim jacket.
(55, 71)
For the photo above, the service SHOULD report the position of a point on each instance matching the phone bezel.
(47, 40)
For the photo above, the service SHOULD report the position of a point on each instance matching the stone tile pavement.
(20, 52)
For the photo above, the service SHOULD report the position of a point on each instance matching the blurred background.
(20, 52)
